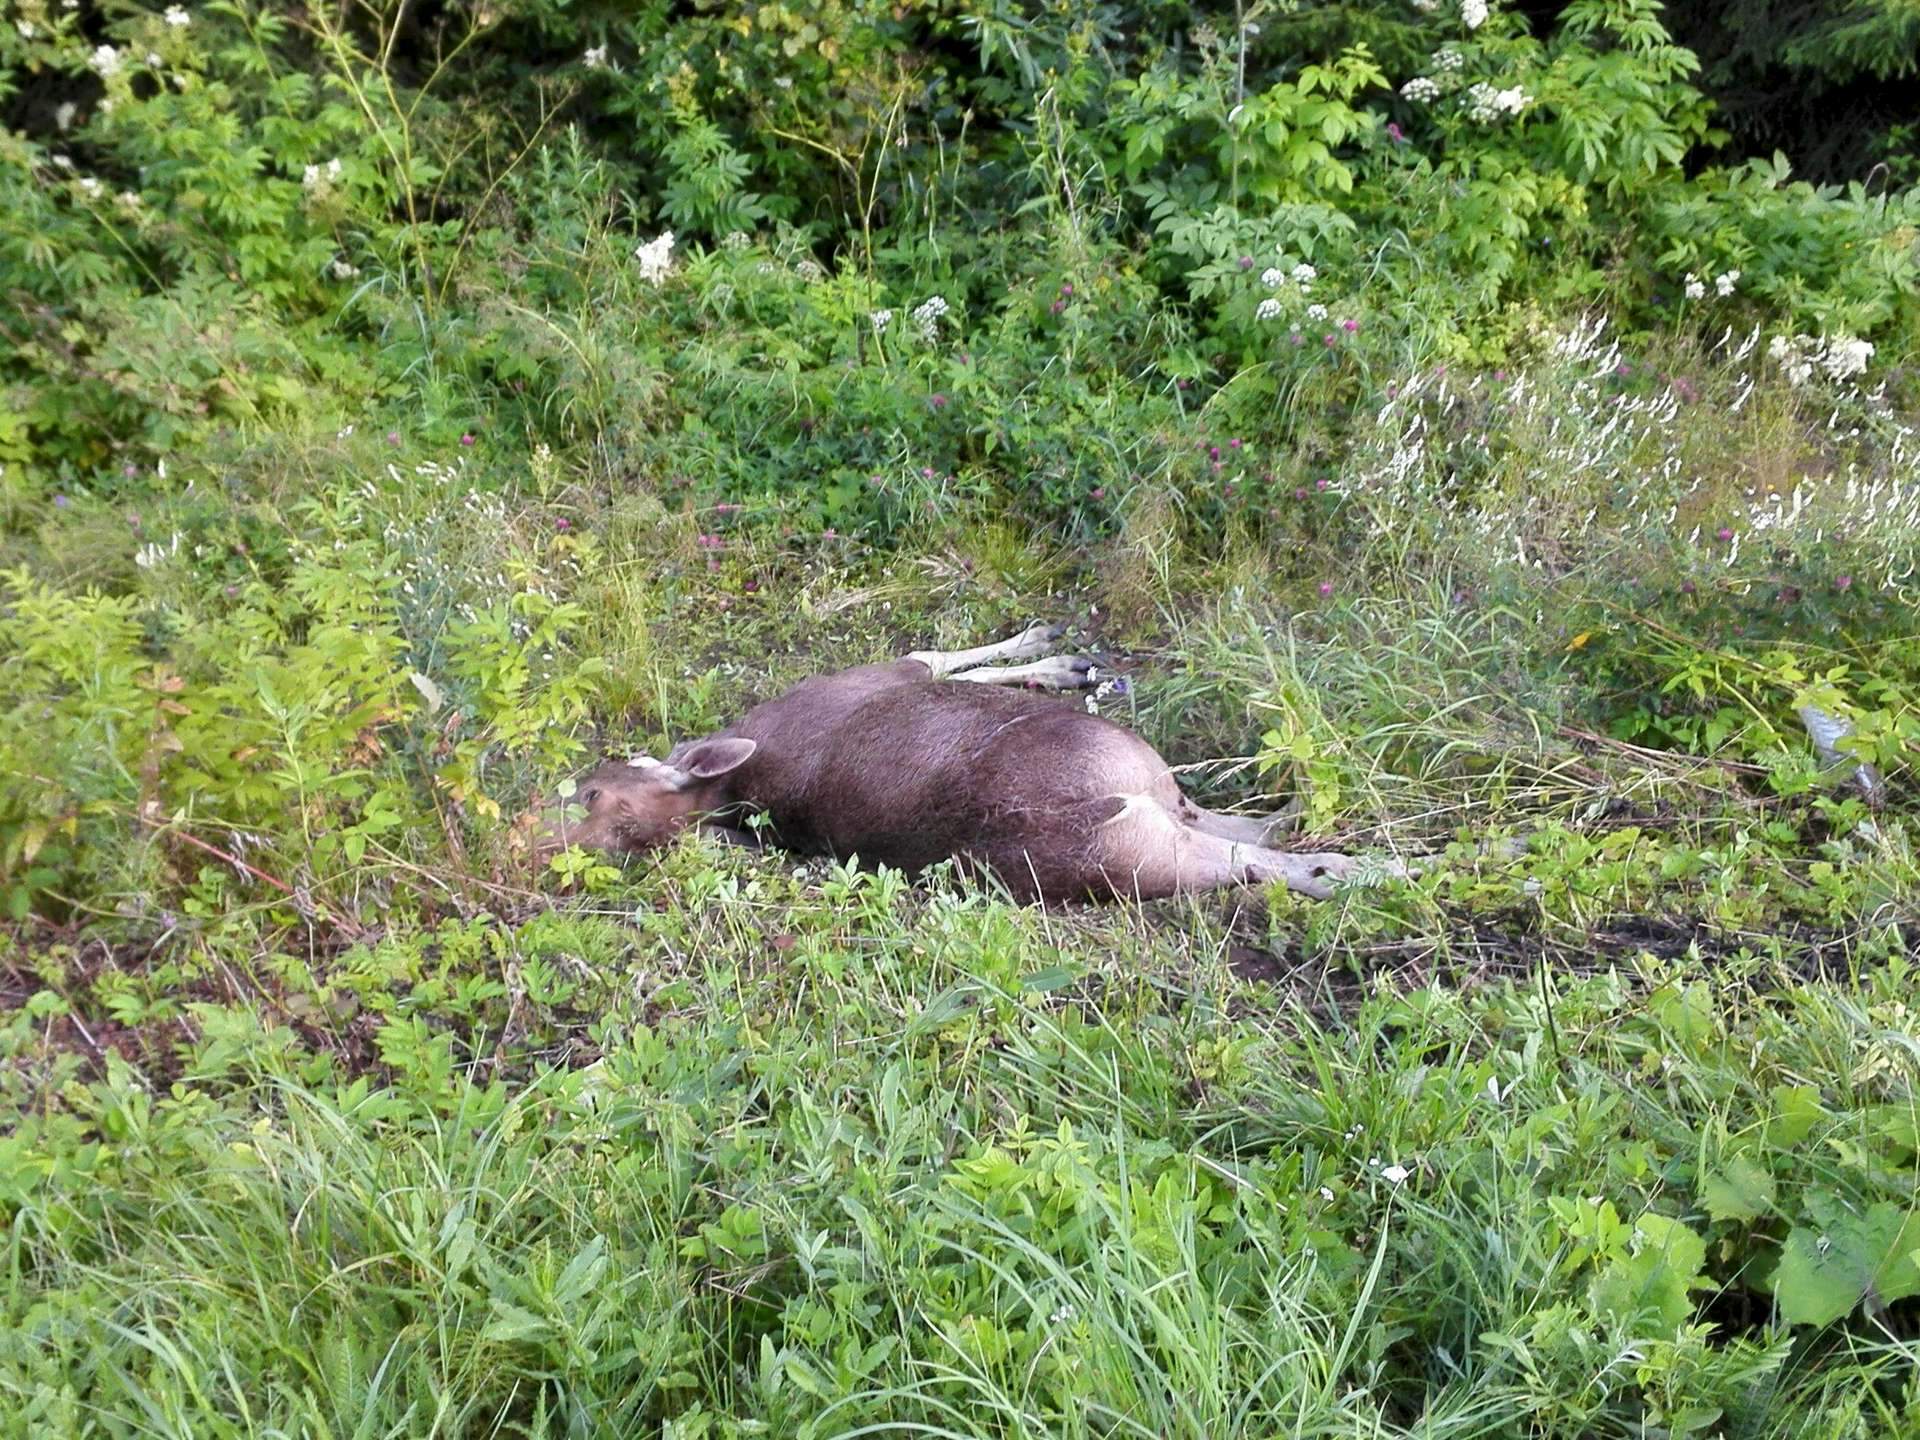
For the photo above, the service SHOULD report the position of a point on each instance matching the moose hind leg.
(1035, 640)
(1146, 850)
(1243, 829)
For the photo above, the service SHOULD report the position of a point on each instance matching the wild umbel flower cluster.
(1473, 13)
(317, 178)
(1695, 288)
(1486, 105)
(1288, 284)
(1448, 66)
(927, 315)
(656, 257)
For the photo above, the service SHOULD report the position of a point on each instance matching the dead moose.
(943, 755)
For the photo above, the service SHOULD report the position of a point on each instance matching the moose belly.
(1009, 780)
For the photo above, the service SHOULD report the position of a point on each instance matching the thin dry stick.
(347, 927)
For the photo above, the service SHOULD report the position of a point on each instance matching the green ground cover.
(1444, 440)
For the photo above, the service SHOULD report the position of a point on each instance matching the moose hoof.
(1061, 672)
(1037, 639)
(1317, 875)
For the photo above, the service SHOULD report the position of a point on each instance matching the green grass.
(360, 482)
(837, 1157)
(323, 1113)
(737, 1144)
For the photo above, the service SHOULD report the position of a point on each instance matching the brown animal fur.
(891, 764)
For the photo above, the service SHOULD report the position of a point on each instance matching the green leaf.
(1657, 1277)
(511, 1322)
(1796, 1110)
(1051, 978)
(1741, 1191)
(1828, 1268)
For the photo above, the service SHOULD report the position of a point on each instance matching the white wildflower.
(154, 62)
(176, 16)
(128, 199)
(153, 552)
(1268, 309)
(1426, 7)
(1316, 312)
(25, 28)
(736, 240)
(1305, 274)
(656, 257)
(926, 317)
(880, 319)
(809, 270)
(334, 169)
(105, 62)
(1395, 1174)
(310, 177)
(1846, 357)
(1842, 357)
(90, 187)
(1473, 13)
(63, 114)
(595, 58)
(1447, 59)
(1271, 276)
(1794, 357)
(1420, 90)
(1723, 284)
(1696, 288)
(343, 271)
(1488, 104)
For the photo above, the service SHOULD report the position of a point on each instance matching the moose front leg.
(1034, 640)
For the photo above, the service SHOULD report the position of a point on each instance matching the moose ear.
(710, 759)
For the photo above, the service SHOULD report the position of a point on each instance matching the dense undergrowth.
(400, 405)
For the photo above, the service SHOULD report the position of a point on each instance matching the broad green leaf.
(1827, 1269)
(1739, 1191)
(1657, 1277)
(1796, 1110)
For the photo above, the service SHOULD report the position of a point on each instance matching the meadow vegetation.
(1439, 432)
